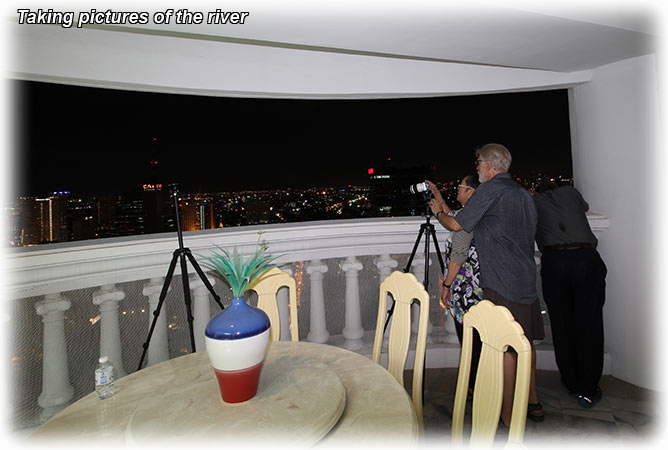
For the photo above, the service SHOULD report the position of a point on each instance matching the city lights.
(66, 216)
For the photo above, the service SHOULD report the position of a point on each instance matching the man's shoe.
(585, 402)
(589, 401)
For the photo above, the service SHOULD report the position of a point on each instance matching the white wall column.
(318, 326)
(56, 388)
(353, 330)
(201, 310)
(107, 298)
(615, 131)
(158, 349)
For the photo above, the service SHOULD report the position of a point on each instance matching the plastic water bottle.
(104, 378)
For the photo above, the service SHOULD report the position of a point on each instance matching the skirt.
(527, 315)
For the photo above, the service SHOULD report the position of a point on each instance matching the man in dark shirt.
(573, 276)
(502, 216)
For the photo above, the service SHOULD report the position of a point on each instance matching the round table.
(308, 392)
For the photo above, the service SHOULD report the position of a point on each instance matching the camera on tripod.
(418, 188)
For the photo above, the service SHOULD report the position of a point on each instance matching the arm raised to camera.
(447, 221)
(440, 209)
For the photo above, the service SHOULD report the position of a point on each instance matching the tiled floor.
(625, 415)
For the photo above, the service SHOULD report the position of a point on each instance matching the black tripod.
(426, 229)
(180, 254)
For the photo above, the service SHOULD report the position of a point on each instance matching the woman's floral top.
(465, 290)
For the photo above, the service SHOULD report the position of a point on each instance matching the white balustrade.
(51, 269)
(158, 349)
(353, 330)
(107, 298)
(318, 324)
(64, 267)
(56, 388)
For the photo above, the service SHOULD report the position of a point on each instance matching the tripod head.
(424, 189)
(175, 196)
(428, 196)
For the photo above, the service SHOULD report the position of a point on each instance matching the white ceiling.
(342, 48)
(551, 36)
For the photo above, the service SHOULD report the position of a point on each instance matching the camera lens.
(418, 188)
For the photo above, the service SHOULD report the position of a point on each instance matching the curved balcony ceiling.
(344, 48)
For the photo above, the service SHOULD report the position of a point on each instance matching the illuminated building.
(197, 215)
(157, 204)
(52, 217)
(389, 184)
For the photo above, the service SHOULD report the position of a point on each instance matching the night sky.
(89, 140)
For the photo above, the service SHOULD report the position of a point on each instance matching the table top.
(308, 392)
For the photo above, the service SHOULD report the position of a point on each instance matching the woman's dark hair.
(471, 181)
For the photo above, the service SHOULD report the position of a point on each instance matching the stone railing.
(101, 268)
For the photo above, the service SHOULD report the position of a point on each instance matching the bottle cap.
(103, 359)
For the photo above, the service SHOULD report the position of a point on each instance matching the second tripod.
(183, 255)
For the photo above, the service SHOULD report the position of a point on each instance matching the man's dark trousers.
(574, 291)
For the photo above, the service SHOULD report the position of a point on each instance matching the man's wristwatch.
(439, 213)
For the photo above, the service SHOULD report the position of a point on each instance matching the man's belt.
(573, 246)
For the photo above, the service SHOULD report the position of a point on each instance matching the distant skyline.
(88, 140)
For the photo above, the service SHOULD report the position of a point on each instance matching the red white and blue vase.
(236, 341)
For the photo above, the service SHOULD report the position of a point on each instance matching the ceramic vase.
(236, 341)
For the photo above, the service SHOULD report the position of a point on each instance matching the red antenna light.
(370, 171)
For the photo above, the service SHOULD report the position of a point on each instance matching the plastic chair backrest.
(498, 330)
(266, 287)
(404, 288)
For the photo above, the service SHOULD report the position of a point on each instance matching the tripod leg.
(438, 250)
(417, 242)
(426, 257)
(406, 270)
(156, 313)
(206, 282)
(389, 316)
(186, 296)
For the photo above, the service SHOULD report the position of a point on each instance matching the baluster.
(353, 330)
(201, 308)
(158, 349)
(283, 299)
(107, 298)
(56, 388)
(385, 266)
(318, 326)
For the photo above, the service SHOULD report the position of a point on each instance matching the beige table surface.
(307, 392)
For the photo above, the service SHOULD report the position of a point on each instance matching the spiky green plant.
(237, 271)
